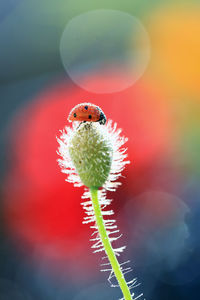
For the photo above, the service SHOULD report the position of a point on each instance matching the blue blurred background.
(140, 62)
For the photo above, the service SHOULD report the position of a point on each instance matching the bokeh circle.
(105, 43)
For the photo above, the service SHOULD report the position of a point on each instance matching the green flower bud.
(91, 152)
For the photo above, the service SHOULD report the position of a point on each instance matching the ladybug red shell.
(87, 112)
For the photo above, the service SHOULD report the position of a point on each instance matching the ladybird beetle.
(87, 112)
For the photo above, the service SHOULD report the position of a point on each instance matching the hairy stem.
(107, 245)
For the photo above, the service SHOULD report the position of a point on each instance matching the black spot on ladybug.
(74, 115)
(86, 107)
(90, 116)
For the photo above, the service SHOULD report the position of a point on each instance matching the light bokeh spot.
(108, 44)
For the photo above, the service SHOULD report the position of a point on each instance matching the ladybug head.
(102, 119)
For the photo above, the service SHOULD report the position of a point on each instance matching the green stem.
(107, 245)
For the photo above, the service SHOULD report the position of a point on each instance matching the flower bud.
(91, 152)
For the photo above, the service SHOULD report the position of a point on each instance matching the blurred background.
(140, 62)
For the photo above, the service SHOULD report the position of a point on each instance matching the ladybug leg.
(80, 124)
